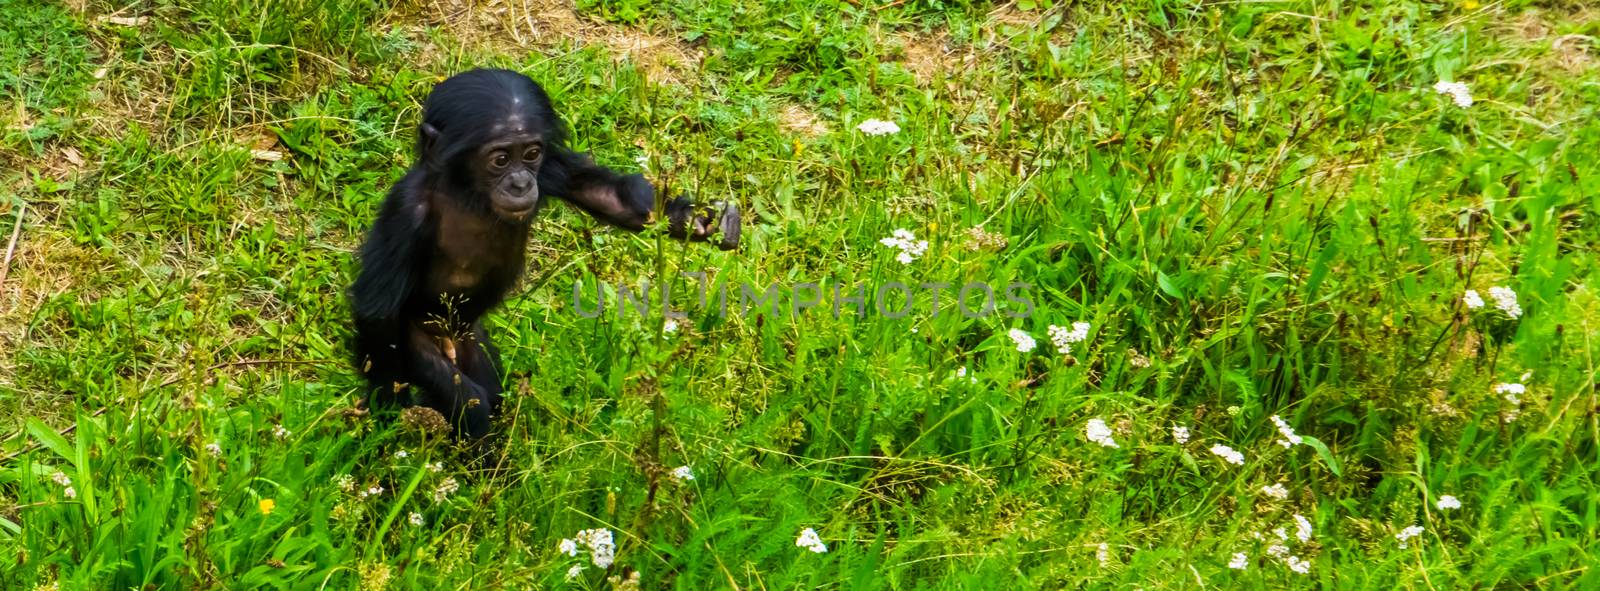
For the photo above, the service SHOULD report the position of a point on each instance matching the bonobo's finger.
(730, 224)
(685, 219)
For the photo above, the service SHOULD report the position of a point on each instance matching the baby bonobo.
(449, 240)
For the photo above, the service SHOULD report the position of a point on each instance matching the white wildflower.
(215, 449)
(1290, 439)
(1063, 337)
(1228, 454)
(906, 242)
(1298, 565)
(1097, 431)
(1472, 299)
(415, 519)
(1506, 301)
(1283, 534)
(574, 572)
(878, 127)
(402, 454)
(1302, 528)
(1406, 534)
(811, 541)
(436, 467)
(1103, 554)
(1023, 340)
(1276, 491)
(683, 474)
(1180, 434)
(1239, 562)
(670, 326)
(445, 489)
(345, 482)
(1511, 391)
(372, 491)
(600, 543)
(69, 492)
(279, 432)
(1458, 92)
(1447, 502)
(1278, 550)
(61, 478)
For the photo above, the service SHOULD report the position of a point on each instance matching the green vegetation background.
(1262, 208)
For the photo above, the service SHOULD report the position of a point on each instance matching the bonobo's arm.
(627, 201)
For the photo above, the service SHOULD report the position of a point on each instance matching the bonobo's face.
(509, 167)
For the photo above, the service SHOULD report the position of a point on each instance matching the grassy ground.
(1260, 208)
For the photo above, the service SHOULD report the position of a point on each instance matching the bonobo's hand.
(700, 221)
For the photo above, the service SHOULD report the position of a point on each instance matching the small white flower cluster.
(372, 491)
(345, 482)
(215, 449)
(60, 478)
(445, 489)
(1448, 502)
(1063, 338)
(402, 454)
(436, 467)
(1302, 528)
(1022, 339)
(415, 519)
(1504, 299)
(1458, 92)
(670, 326)
(1240, 561)
(1405, 535)
(1228, 454)
(1512, 393)
(682, 474)
(1298, 565)
(279, 432)
(1276, 491)
(962, 373)
(1097, 431)
(811, 541)
(1180, 434)
(878, 127)
(602, 547)
(906, 242)
(1290, 439)
(1103, 554)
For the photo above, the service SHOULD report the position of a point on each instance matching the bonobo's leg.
(480, 359)
(445, 387)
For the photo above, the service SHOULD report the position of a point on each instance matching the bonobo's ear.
(427, 141)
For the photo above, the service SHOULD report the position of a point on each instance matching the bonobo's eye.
(500, 159)
(531, 154)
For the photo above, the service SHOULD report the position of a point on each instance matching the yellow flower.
(267, 505)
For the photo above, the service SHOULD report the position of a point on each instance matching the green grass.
(1262, 208)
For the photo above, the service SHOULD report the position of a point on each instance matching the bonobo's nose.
(521, 181)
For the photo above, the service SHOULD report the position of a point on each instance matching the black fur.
(440, 255)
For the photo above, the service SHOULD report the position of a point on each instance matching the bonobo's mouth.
(517, 213)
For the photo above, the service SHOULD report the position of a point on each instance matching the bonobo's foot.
(700, 222)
